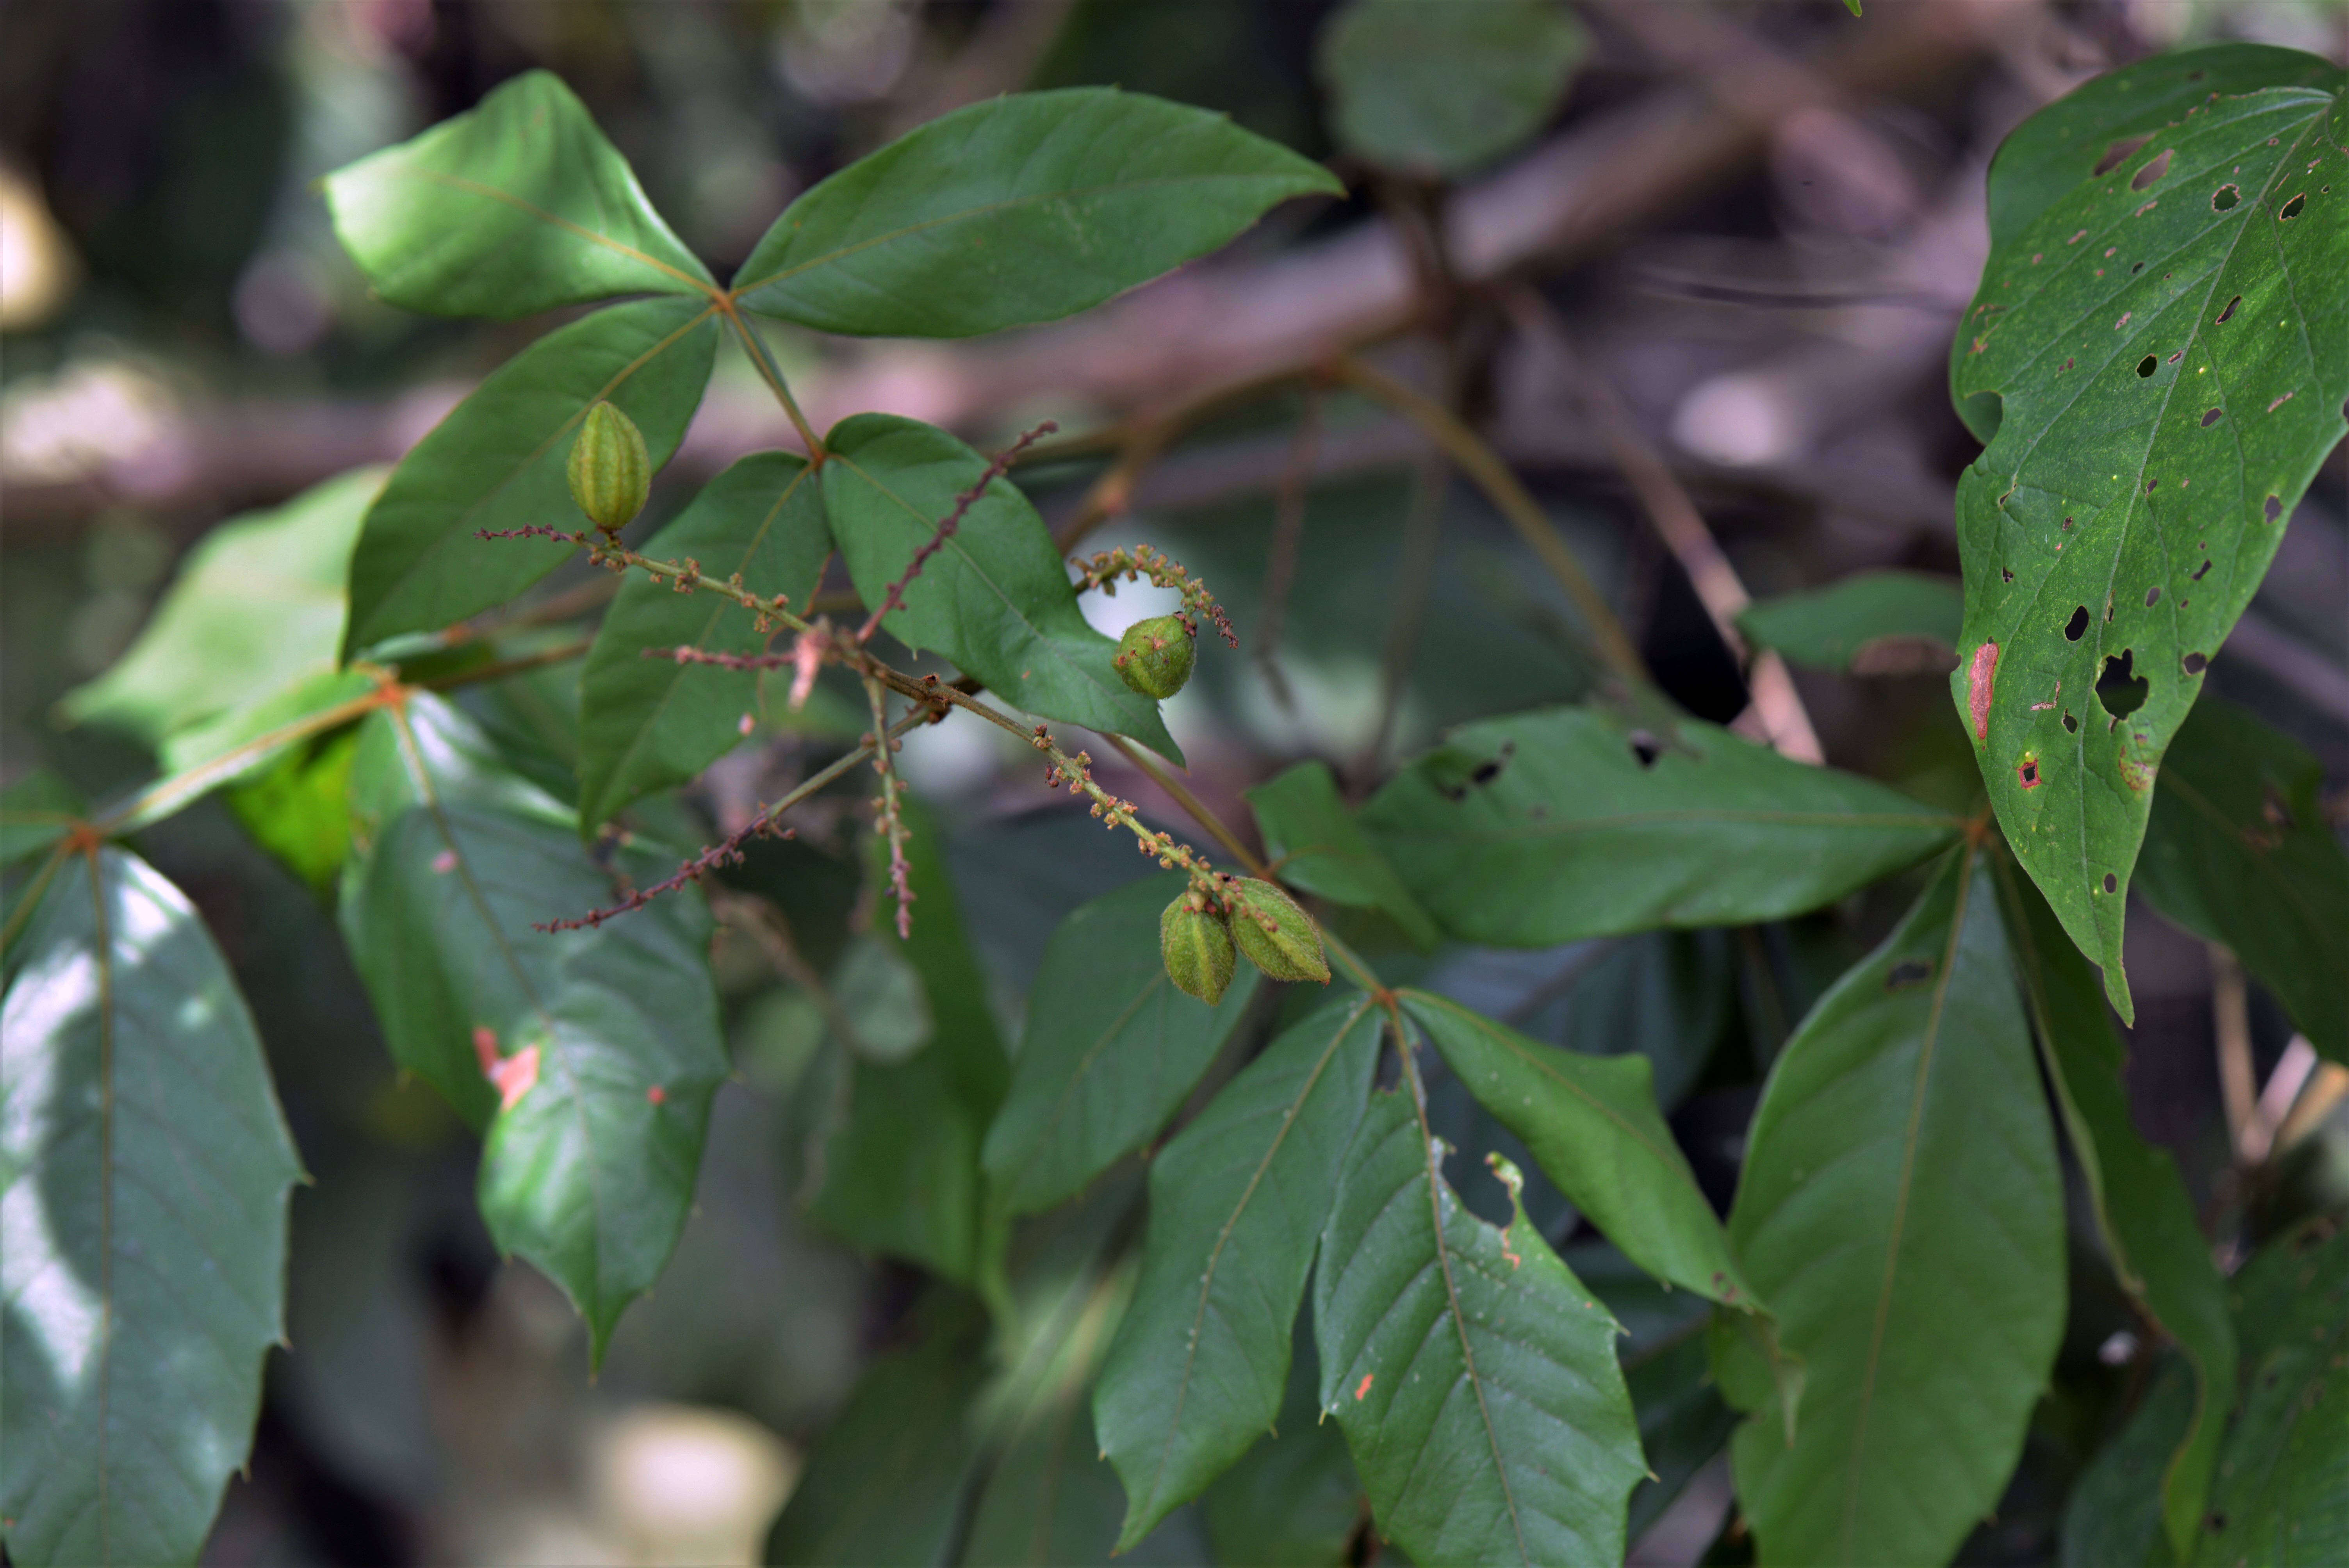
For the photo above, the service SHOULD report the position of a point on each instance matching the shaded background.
(1759, 221)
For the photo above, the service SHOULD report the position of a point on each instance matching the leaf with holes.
(1022, 209)
(994, 598)
(1435, 88)
(2141, 1204)
(648, 723)
(1109, 1051)
(2239, 849)
(1871, 623)
(1236, 1202)
(143, 1171)
(2158, 359)
(498, 461)
(516, 206)
(1546, 827)
(1319, 848)
(1902, 1211)
(1473, 1375)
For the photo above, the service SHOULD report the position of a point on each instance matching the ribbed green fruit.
(1155, 656)
(1276, 936)
(1197, 946)
(611, 472)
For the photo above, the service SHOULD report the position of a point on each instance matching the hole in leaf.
(2137, 269)
(2291, 208)
(2028, 773)
(2273, 508)
(2005, 576)
(2152, 171)
(2230, 308)
(2195, 663)
(2076, 625)
(2071, 724)
(2224, 197)
(2210, 419)
(2118, 687)
(1644, 748)
(2200, 569)
(1907, 973)
(2152, 597)
(2112, 882)
(2145, 367)
(2118, 152)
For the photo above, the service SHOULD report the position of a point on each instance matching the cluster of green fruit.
(1200, 930)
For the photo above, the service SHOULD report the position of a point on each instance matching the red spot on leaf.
(515, 1077)
(1364, 1385)
(485, 1048)
(444, 863)
(658, 1095)
(1979, 681)
(2028, 773)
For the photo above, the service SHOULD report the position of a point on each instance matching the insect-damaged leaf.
(1473, 1375)
(1023, 209)
(2158, 359)
(144, 1173)
(1902, 1212)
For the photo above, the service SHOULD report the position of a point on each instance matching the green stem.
(772, 374)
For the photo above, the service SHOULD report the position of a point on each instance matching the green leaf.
(144, 1165)
(1436, 87)
(1319, 849)
(647, 724)
(1871, 623)
(497, 462)
(1472, 1374)
(1668, 995)
(1902, 1211)
(516, 206)
(1111, 1049)
(2240, 851)
(611, 1033)
(2157, 362)
(1023, 209)
(1236, 1203)
(1053, 1502)
(298, 809)
(2142, 1207)
(1546, 827)
(1292, 1501)
(1593, 1125)
(2282, 1494)
(36, 812)
(996, 600)
(2112, 1517)
(256, 608)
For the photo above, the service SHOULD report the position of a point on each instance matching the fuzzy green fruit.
(611, 472)
(1278, 936)
(1197, 946)
(1155, 656)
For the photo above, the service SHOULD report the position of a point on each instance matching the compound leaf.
(143, 1171)
(1433, 87)
(1321, 850)
(1024, 209)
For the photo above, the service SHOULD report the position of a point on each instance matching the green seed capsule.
(1278, 936)
(1155, 656)
(611, 472)
(1197, 946)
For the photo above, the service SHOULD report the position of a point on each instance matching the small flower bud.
(1197, 946)
(1278, 936)
(611, 472)
(1155, 656)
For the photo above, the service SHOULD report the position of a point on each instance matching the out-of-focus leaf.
(1683, 1422)
(1546, 827)
(1110, 1052)
(1592, 1123)
(1022, 209)
(1871, 623)
(1436, 87)
(1238, 1200)
(2141, 1203)
(646, 723)
(2112, 1517)
(498, 461)
(1667, 994)
(1051, 1501)
(1319, 849)
(1472, 1374)
(144, 1173)
(36, 812)
(298, 809)
(256, 608)
(1291, 1500)
(2169, 321)
(2240, 851)
(234, 745)
(1902, 1211)
(996, 599)
(2281, 1494)
(517, 205)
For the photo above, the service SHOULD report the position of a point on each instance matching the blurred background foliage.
(184, 342)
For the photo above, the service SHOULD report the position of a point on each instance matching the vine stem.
(892, 816)
(1199, 810)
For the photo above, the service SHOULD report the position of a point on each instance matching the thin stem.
(34, 892)
(995, 468)
(2232, 1022)
(892, 820)
(772, 374)
(1288, 537)
(1423, 533)
(767, 925)
(1201, 812)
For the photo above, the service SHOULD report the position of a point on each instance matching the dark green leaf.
(1023, 209)
(1871, 623)
(2157, 362)
(1667, 994)
(1472, 1374)
(2282, 1495)
(1236, 1202)
(1292, 1501)
(996, 600)
(1546, 827)
(256, 608)
(1436, 87)
(2112, 1517)
(1051, 1501)
(2240, 851)
(1319, 848)
(2141, 1203)
(1592, 1123)
(36, 812)
(497, 462)
(1902, 1212)
(646, 723)
(1110, 1048)
(144, 1165)
(516, 206)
